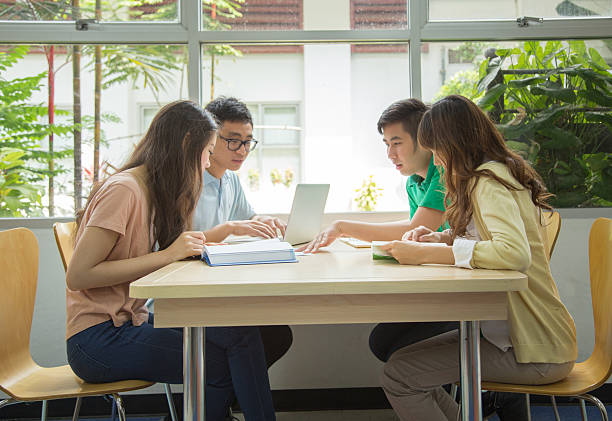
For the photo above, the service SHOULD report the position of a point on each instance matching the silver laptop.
(306, 213)
(305, 217)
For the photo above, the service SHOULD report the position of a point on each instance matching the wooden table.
(340, 285)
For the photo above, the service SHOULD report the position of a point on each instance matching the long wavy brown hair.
(171, 154)
(463, 137)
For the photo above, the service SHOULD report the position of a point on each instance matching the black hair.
(408, 112)
(229, 109)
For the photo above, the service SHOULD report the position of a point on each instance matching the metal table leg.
(193, 374)
(471, 406)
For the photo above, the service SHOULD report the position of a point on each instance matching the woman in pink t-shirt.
(135, 222)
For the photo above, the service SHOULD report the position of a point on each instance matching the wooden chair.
(20, 377)
(64, 237)
(593, 372)
(552, 226)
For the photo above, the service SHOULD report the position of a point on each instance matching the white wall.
(326, 356)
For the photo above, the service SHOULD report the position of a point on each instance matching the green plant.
(367, 194)
(18, 197)
(276, 177)
(23, 125)
(288, 178)
(462, 83)
(552, 102)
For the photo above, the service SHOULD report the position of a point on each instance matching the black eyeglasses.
(235, 144)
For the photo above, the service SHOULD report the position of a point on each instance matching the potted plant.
(367, 195)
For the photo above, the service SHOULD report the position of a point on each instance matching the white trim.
(502, 30)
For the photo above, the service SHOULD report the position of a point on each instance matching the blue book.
(250, 253)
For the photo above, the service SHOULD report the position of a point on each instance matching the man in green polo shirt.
(398, 124)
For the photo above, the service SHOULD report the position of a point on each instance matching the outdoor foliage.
(18, 198)
(553, 103)
(23, 127)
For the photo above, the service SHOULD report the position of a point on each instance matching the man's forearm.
(218, 233)
(386, 231)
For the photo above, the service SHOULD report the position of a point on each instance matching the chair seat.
(581, 379)
(44, 383)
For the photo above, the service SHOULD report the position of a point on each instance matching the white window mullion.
(502, 30)
(102, 33)
(417, 16)
(305, 37)
(191, 19)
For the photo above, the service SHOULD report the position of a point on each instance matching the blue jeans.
(235, 363)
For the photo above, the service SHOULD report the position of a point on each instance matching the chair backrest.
(64, 237)
(19, 275)
(552, 225)
(600, 269)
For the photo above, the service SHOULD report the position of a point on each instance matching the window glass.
(131, 92)
(280, 126)
(511, 9)
(109, 11)
(550, 99)
(262, 15)
(315, 109)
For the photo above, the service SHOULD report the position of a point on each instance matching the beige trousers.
(413, 377)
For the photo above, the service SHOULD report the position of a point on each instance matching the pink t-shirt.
(120, 205)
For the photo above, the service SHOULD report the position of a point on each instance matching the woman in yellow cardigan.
(494, 210)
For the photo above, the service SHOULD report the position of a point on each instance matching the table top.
(336, 270)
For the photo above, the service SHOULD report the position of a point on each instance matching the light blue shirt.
(221, 201)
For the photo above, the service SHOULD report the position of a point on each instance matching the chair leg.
(77, 409)
(6, 402)
(554, 405)
(528, 405)
(598, 404)
(453, 391)
(43, 414)
(113, 407)
(120, 409)
(583, 410)
(170, 402)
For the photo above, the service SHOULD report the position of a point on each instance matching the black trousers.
(276, 341)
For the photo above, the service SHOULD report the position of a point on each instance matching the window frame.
(188, 31)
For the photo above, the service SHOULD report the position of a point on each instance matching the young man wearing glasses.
(223, 209)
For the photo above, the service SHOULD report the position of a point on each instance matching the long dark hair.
(171, 153)
(463, 137)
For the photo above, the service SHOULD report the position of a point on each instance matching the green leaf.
(602, 117)
(597, 97)
(569, 199)
(562, 94)
(597, 59)
(514, 131)
(521, 83)
(491, 96)
(578, 46)
(492, 72)
(559, 138)
(548, 117)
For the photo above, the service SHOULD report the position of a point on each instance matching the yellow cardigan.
(541, 328)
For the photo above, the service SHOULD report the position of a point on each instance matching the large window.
(316, 75)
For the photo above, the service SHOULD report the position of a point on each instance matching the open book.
(254, 252)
